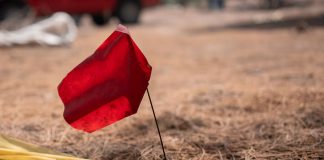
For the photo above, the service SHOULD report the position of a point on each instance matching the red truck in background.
(127, 11)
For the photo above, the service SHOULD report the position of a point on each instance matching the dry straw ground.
(228, 94)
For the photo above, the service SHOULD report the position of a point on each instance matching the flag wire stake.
(156, 123)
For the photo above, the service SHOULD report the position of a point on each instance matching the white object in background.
(59, 29)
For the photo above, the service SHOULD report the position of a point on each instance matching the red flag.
(107, 86)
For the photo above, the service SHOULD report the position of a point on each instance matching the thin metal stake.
(156, 123)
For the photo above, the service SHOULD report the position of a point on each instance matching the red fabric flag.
(107, 86)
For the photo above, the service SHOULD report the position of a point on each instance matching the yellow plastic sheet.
(13, 149)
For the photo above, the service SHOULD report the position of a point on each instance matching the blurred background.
(232, 79)
(14, 13)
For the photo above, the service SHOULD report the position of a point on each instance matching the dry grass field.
(219, 94)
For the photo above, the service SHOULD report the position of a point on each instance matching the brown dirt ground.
(225, 94)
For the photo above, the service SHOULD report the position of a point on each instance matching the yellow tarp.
(12, 149)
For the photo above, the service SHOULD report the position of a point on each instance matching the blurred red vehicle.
(127, 11)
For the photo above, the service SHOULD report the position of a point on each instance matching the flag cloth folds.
(107, 86)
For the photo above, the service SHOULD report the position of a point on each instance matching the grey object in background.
(216, 4)
(57, 30)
